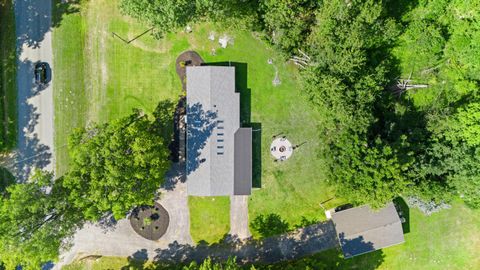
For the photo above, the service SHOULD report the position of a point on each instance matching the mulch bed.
(150, 222)
(188, 58)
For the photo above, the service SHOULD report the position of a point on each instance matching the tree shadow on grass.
(293, 245)
(269, 225)
(63, 8)
(137, 260)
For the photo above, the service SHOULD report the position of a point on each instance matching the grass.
(292, 189)
(113, 78)
(449, 239)
(107, 263)
(8, 87)
(98, 77)
(106, 78)
(210, 218)
(70, 99)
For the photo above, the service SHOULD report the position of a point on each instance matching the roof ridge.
(375, 228)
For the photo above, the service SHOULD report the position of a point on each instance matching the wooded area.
(362, 59)
(399, 80)
(114, 168)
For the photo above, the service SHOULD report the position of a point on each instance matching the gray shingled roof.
(361, 229)
(243, 162)
(213, 118)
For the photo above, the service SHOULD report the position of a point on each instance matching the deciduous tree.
(116, 166)
(35, 219)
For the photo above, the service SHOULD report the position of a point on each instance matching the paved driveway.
(239, 216)
(121, 240)
(297, 244)
(34, 103)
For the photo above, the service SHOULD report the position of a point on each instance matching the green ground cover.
(449, 239)
(105, 263)
(210, 217)
(8, 87)
(99, 78)
(113, 78)
(70, 99)
(446, 240)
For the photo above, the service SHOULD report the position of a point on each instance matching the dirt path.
(35, 103)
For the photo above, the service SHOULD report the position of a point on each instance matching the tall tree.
(116, 166)
(348, 47)
(164, 15)
(368, 172)
(35, 218)
(170, 15)
(288, 22)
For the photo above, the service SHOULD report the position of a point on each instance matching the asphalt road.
(34, 103)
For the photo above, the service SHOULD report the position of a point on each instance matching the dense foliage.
(114, 167)
(287, 23)
(383, 141)
(34, 219)
(171, 15)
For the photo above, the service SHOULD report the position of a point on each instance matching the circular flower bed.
(150, 222)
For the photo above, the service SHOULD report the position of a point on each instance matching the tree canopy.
(167, 16)
(35, 218)
(116, 166)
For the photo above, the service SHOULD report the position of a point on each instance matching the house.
(361, 230)
(218, 149)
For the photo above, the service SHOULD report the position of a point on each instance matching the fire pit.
(281, 148)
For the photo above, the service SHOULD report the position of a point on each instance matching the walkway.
(239, 216)
(34, 103)
(121, 240)
(294, 245)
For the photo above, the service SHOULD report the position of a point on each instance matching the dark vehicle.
(41, 73)
(343, 207)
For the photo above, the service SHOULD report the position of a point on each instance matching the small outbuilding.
(361, 230)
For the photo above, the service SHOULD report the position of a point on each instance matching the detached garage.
(361, 230)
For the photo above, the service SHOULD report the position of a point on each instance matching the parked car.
(41, 73)
(343, 207)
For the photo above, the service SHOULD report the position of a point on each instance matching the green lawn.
(210, 218)
(70, 99)
(109, 263)
(98, 77)
(294, 188)
(8, 87)
(446, 240)
(449, 239)
(101, 78)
